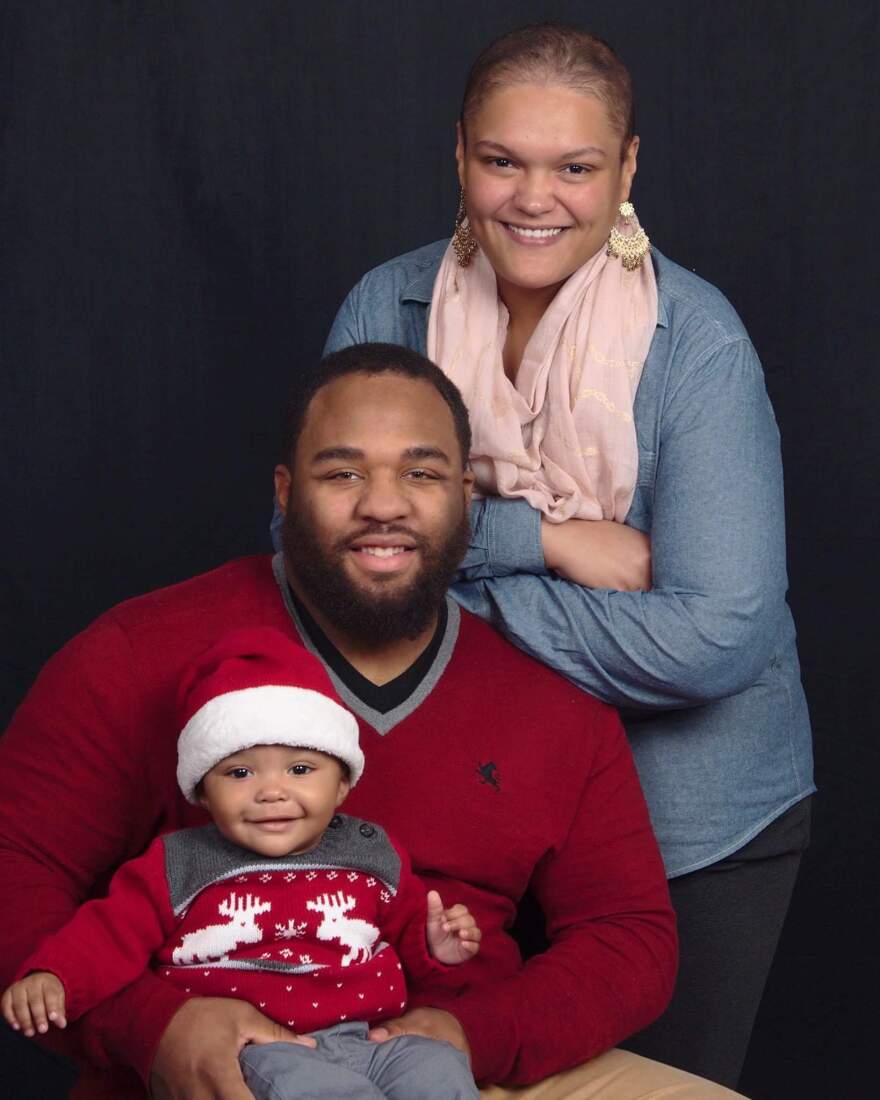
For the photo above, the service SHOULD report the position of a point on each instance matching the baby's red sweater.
(311, 940)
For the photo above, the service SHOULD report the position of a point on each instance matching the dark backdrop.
(188, 191)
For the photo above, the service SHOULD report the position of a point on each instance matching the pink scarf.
(563, 435)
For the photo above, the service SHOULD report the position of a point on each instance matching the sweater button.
(335, 822)
(367, 830)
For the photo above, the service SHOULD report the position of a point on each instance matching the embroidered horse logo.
(489, 773)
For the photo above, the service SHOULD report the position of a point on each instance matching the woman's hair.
(552, 53)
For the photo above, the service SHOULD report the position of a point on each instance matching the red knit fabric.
(247, 659)
(505, 776)
(110, 942)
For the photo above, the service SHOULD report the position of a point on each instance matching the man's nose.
(383, 499)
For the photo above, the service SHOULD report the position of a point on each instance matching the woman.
(607, 384)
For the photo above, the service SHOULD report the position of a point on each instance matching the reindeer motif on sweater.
(218, 940)
(357, 935)
(311, 940)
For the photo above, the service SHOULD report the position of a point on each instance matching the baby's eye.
(239, 773)
(300, 769)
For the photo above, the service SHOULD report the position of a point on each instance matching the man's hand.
(453, 936)
(34, 1002)
(197, 1057)
(432, 1023)
(598, 553)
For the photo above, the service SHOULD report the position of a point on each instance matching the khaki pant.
(616, 1075)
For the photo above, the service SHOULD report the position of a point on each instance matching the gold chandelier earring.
(629, 243)
(464, 243)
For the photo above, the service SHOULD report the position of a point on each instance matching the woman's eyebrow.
(584, 151)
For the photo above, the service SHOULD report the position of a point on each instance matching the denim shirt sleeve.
(707, 628)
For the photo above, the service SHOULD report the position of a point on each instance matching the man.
(496, 774)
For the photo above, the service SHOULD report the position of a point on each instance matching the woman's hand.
(598, 553)
(453, 936)
(31, 1004)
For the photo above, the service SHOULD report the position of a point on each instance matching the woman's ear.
(459, 151)
(628, 171)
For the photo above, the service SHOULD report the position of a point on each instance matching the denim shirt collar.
(421, 289)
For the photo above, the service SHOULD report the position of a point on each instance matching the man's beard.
(371, 616)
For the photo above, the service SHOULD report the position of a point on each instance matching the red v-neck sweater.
(505, 776)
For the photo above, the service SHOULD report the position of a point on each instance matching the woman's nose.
(534, 194)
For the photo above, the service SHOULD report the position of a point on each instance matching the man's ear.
(282, 487)
(467, 483)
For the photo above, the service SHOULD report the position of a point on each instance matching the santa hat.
(257, 687)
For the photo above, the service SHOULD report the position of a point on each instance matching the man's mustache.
(385, 529)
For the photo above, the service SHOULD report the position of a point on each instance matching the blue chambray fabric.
(703, 667)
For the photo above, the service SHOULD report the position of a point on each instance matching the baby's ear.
(342, 792)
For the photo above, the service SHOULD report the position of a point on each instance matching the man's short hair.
(373, 359)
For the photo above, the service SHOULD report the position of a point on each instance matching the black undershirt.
(380, 697)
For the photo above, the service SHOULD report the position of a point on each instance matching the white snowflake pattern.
(266, 877)
(312, 875)
(384, 895)
(305, 959)
(352, 876)
(371, 881)
(291, 931)
(285, 952)
(266, 955)
(241, 878)
(290, 876)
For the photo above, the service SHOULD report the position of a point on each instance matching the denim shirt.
(703, 666)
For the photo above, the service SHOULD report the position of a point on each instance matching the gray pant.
(346, 1065)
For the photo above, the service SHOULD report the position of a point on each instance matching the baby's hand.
(31, 1004)
(453, 936)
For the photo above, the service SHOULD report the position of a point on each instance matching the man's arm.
(610, 967)
(707, 627)
(76, 801)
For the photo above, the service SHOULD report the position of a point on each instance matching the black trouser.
(729, 919)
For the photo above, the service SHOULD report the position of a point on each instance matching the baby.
(312, 916)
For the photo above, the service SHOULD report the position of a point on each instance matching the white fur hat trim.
(271, 714)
